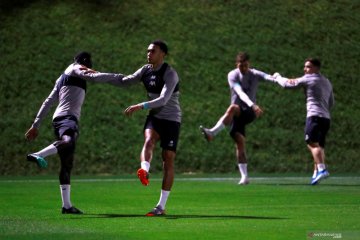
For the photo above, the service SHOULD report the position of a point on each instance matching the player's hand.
(133, 108)
(258, 111)
(31, 134)
(276, 75)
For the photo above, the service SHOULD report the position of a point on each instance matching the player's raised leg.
(151, 137)
(224, 121)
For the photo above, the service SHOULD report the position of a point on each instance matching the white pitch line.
(216, 179)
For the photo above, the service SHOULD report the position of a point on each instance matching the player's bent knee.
(65, 146)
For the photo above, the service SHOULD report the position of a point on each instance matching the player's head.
(312, 65)
(83, 58)
(162, 45)
(242, 62)
(156, 52)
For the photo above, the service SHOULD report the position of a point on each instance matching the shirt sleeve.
(234, 84)
(111, 78)
(264, 76)
(242, 95)
(46, 106)
(132, 78)
(290, 83)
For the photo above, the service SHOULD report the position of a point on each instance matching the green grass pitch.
(275, 207)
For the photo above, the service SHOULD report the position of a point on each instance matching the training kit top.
(162, 86)
(243, 87)
(69, 91)
(318, 92)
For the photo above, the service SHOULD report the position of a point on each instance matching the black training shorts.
(247, 115)
(168, 131)
(316, 129)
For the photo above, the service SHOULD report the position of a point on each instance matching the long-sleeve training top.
(318, 92)
(162, 85)
(244, 86)
(69, 91)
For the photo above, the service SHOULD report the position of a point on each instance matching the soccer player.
(319, 100)
(164, 119)
(69, 92)
(243, 82)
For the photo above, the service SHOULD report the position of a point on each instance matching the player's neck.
(155, 66)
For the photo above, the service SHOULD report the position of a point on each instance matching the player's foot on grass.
(72, 210)
(244, 181)
(157, 211)
(320, 176)
(143, 176)
(207, 134)
(41, 162)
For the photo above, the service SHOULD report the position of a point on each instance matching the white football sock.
(163, 198)
(314, 174)
(49, 150)
(145, 165)
(321, 166)
(243, 169)
(65, 196)
(217, 128)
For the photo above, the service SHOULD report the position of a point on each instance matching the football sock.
(217, 128)
(145, 165)
(65, 196)
(314, 174)
(243, 169)
(49, 150)
(321, 166)
(163, 198)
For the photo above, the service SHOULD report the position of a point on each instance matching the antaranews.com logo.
(324, 235)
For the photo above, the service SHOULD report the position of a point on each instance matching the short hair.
(83, 58)
(161, 44)
(242, 57)
(314, 61)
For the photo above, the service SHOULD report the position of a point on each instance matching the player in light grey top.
(318, 93)
(319, 101)
(243, 82)
(69, 96)
(243, 87)
(69, 93)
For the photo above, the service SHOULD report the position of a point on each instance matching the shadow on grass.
(224, 217)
